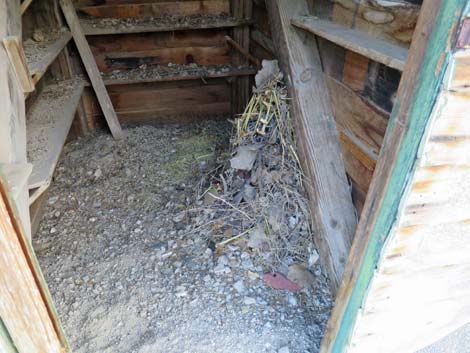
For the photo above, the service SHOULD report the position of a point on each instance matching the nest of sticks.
(254, 199)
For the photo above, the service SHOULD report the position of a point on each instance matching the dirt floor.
(128, 270)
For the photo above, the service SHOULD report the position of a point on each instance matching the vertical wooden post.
(241, 85)
(327, 185)
(376, 268)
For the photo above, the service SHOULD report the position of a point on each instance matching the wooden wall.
(363, 91)
(159, 102)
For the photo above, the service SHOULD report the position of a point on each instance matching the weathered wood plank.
(91, 68)
(48, 125)
(15, 52)
(376, 49)
(25, 309)
(159, 8)
(327, 185)
(12, 113)
(38, 64)
(358, 117)
(167, 102)
(93, 28)
(422, 79)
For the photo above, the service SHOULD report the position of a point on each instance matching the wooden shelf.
(47, 127)
(362, 43)
(164, 73)
(40, 55)
(104, 26)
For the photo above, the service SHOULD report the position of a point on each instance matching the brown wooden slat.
(91, 68)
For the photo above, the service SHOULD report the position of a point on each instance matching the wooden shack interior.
(355, 71)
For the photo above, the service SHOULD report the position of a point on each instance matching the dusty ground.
(127, 271)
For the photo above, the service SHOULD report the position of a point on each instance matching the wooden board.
(376, 49)
(92, 27)
(49, 122)
(131, 51)
(26, 309)
(422, 80)
(327, 185)
(15, 52)
(167, 102)
(158, 8)
(12, 112)
(91, 68)
(156, 73)
(45, 54)
(392, 20)
(358, 118)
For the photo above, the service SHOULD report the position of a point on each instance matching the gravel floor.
(127, 271)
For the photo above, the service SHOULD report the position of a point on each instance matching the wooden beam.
(417, 94)
(91, 68)
(327, 186)
(15, 52)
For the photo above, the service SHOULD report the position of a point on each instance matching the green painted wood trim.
(6, 343)
(420, 111)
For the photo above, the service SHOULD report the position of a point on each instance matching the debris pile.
(254, 201)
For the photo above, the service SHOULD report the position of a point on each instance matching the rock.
(223, 260)
(38, 35)
(378, 17)
(292, 300)
(239, 286)
(249, 301)
(98, 173)
(258, 238)
(313, 258)
(300, 275)
(221, 269)
(284, 350)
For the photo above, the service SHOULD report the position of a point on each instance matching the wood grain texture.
(376, 49)
(91, 68)
(327, 185)
(422, 274)
(391, 20)
(151, 26)
(158, 8)
(15, 52)
(39, 67)
(49, 124)
(416, 97)
(12, 114)
(166, 102)
(358, 117)
(204, 47)
(25, 308)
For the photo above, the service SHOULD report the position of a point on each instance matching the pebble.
(249, 301)
(284, 350)
(239, 286)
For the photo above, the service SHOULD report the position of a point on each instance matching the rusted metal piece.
(464, 37)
